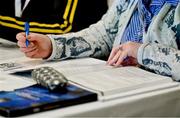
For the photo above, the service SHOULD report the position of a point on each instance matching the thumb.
(39, 38)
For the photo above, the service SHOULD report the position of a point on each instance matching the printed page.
(119, 80)
(20, 64)
(9, 50)
(95, 75)
(80, 66)
(9, 83)
(68, 67)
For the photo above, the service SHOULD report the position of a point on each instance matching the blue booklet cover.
(37, 98)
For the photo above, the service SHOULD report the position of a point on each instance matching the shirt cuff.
(53, 54)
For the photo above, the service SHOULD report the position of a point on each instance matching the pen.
(27, 32)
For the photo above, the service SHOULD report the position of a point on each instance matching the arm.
(161, 53)
(160, 58)
(164, 55)
(94, 41)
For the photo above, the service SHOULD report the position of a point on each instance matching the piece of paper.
(95, 75)
(118, 80)
(9, 83)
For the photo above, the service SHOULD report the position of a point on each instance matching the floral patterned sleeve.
(95, 41)
(162, 52)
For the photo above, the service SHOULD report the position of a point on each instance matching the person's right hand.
(40, 45)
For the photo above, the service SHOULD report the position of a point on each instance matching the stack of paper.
(107, 81)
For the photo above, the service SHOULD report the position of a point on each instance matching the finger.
(21, 39)
(32, 54)
(21, 36)
(23, 49)
(113, 53)
(26, 50)
(35, 37)
(115, 58)
(121, 58)
(23, 44)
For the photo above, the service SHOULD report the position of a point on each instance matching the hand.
(40, 45)
(125, 54)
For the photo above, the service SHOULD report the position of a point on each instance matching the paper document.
(9, 83)
(9, 50)
(96, 76)
(20, 64)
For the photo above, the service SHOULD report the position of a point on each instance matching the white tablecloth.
(165, 103)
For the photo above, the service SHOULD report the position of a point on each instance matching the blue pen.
(27, 32)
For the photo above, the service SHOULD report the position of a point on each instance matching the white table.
(158, 103)
(162, 103)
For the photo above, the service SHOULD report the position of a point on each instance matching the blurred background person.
(48, 16)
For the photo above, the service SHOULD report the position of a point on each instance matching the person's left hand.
(124, 54)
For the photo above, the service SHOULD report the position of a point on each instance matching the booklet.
(108, 82)
(36, 98)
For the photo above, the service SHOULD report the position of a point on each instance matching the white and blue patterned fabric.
(142, 17)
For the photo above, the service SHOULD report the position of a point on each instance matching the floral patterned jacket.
(160, 50)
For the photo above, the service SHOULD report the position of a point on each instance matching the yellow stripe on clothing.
(40, 30)
(7, 18)
(73, 11)
(68, 7)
